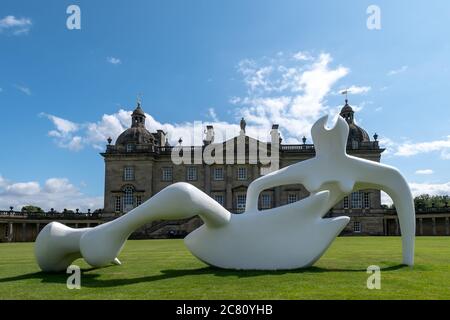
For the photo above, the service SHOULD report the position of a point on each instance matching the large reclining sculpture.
(287, 237)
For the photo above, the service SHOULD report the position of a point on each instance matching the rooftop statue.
(288, 237)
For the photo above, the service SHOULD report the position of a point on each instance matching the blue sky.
(62, 91)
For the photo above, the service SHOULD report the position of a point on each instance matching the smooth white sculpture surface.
(287, 237)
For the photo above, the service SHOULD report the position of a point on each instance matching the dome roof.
(138, 111)
(347, 108)
(356, 133)
(136, 135)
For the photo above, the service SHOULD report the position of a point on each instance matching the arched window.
(128, 197)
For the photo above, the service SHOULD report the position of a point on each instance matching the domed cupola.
(137, 134)
(356, 133)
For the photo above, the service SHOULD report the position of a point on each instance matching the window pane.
(128, 173)
(366, 200)
(266, 201)
(240, 202)
(128, 199)
(356, 200)
(191, 173)
(345, 202)
(218, 174)
(292, 197)
(242, 174)
(118, 204)
(356, 226)
(167, 174)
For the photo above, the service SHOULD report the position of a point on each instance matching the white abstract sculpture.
(287, 237)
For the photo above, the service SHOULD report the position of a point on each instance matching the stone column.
(420, 226)
(434, 225)
(207, 179)
(397, 227)
(277, 196)
(10, 234)
(229, 193)
(229, 197)
(255, 172)
(24, 232)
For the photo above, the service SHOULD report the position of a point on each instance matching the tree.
(32, 209)
(426, 201)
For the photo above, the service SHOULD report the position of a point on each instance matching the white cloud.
(409, 149)
(23, 188)
(424, 171)
(63, 126)
(413, 148)
(397, 71)
(64, 133)
(14, 25)
(290, 93)
(57, 193)
(24, 90)
(113, 60)
(302, 55)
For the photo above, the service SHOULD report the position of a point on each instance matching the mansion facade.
(139, 165)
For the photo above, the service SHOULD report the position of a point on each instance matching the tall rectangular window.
(356, 200)
(346, 203)
(357, 226)
(130, 147)
(292, 197)
(218, 174)
(138, 200)
(117, 204)
(167, 174)
(240, 202)
(128, 173)
(366, 200)
(219, 198)
(266, 201)
(242, 173)
(191, 173)
(128, 199)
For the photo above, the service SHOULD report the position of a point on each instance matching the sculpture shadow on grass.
(91, 280)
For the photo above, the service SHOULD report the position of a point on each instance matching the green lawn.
(164, 269)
